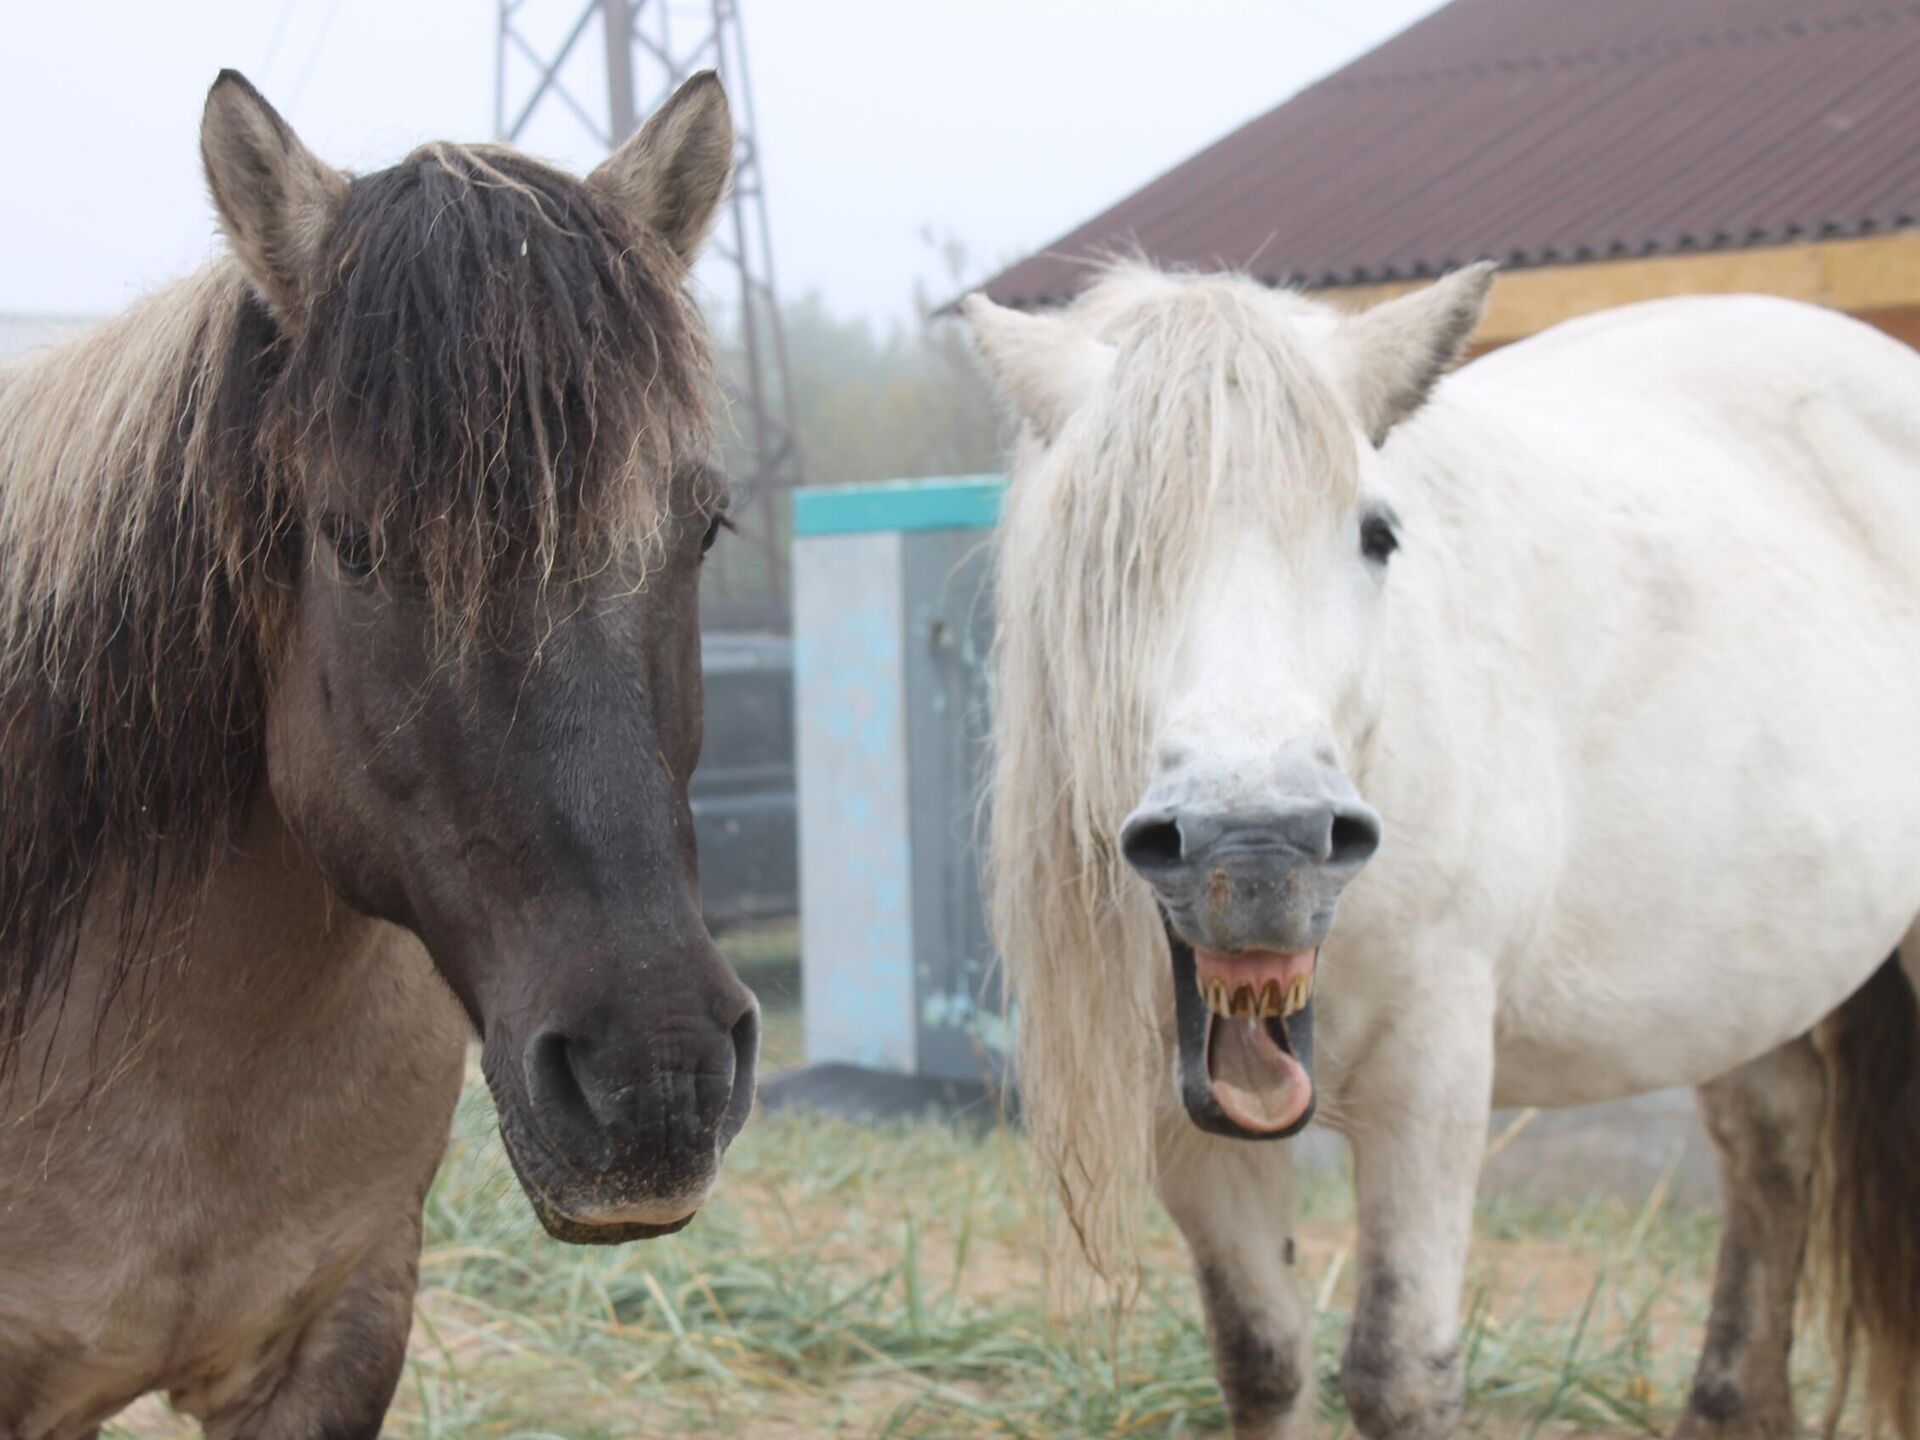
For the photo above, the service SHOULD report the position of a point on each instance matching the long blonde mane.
(130, 597)
(1101, 538)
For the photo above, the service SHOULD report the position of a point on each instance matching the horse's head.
(484, 438)
(1200, 545)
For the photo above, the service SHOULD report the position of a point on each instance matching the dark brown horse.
(349, 691)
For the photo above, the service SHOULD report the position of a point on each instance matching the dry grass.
(858, 1281)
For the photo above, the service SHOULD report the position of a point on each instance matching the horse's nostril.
(746, 1047)
(746, 1056)
(555, 1087)
(1356, 835)
(1151, 842)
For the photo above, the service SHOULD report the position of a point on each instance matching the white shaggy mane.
(1102, 533)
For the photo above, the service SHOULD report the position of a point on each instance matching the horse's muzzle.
(617, 1132)
(1267, 878)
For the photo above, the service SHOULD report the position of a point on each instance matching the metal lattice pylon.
(648, 48)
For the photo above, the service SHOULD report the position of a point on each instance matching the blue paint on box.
(962, 502)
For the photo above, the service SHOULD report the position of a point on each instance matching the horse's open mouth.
(1245, 1026)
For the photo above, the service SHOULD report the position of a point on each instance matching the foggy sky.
(998, 123)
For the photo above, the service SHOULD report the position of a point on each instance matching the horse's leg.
(1418, 1126)
(1233, 1202)
(345, 1367)
(1765, 1120)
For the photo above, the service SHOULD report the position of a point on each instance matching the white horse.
(1587, 684)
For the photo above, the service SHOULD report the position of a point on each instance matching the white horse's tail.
(1867, 1219)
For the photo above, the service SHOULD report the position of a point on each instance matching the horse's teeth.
(1249, 1002)
(1296, 996)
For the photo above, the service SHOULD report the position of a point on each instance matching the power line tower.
(646, 49)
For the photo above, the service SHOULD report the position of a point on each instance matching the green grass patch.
(890, 1281)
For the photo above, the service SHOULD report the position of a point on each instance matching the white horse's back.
(1695, 525)
(1834, 399)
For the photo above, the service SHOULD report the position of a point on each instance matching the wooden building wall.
(1877, 279)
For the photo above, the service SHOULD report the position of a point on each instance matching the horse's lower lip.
(565, 1215)
(585, 1220)
(575, 1232)
(676, 1214)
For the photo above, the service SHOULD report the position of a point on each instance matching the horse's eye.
(1377, 538)
(352, 546)
(714, 527)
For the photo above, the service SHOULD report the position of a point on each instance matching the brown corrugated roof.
(1543, 132)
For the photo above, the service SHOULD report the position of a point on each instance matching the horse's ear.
(1399, 349)
(1044, 366)
(671, 174)
(277, 201)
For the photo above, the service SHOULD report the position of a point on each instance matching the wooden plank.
(1861, 276)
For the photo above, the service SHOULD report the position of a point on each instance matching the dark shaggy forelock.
(499, 374)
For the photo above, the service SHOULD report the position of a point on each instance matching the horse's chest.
(183, 1235)
(205, 1308)
(210, 1350)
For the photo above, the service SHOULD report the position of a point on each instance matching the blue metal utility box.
(891, 623)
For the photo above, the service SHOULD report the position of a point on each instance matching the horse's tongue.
(1259, 1085)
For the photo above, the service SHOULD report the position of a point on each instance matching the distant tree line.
(898, 401)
